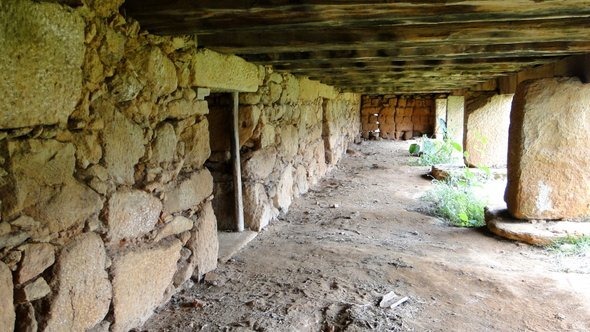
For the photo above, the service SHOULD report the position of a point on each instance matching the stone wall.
(455, 118)
(105, 200)
(292, 131)
(397, 117)
(487, 117)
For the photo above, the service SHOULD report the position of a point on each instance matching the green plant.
(434, 151)
(571, 245)
(454, 200)
(414, 149)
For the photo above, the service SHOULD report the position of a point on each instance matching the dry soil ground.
(356, 236)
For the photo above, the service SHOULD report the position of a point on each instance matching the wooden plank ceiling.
(383, 46)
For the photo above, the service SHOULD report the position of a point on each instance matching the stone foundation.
(104, 137)
(397, 117)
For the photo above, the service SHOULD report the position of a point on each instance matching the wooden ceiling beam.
(440, 52)
(220, 16)
(384, 37)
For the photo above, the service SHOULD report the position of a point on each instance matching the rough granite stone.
(28, 186)
(35, 290)
(203, 242)
(486, 144)
(260, 164)
(282, 200)
(36, 258)
(7, 315)
(81, 286)
(178, 225)
(41, 75)
(164, 146)
(131, 214)
(257, 206)
(196, 141)
(548, 163)
(72, 205)
(182, 108)
(189, 193)
(120, 159)
(237, 73)
(140, 278)
(156, 71)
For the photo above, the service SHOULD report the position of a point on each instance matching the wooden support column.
(237, 174)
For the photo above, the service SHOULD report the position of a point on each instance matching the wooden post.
(237, 174)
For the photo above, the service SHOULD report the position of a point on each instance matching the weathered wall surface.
(105, 200)
(455, 118)
(548, 166)
(292, 130)
(487, 117)
(397, 117)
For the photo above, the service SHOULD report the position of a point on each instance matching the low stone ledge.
(537, 232)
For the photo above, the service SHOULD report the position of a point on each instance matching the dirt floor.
(356, 236)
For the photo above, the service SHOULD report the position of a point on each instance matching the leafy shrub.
(455, 201)
(433, 152)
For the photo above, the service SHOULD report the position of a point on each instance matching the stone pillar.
(440, 114)
(455, 112)
(548, 152)
(486, 130)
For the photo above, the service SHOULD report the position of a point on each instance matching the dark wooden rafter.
(382, 45)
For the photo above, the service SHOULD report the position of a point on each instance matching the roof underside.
(381, 46)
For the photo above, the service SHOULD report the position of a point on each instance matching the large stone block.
(7, 315)
(311, 90)
(197, 148)
(221, 72)
(548, 153)
(131, 214)
(81, 285)
(248, 117)
(486, 135)
(40, 72)
(284, 196)
(34, 166)
(257, 206)
(455, 118)
(183, 108)
(189, 193)
(156, 71)
(204, 243)
(72, 205)
(120, 159)
(289, 138)
(260, 164)
(140, 279)
(164, 146)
